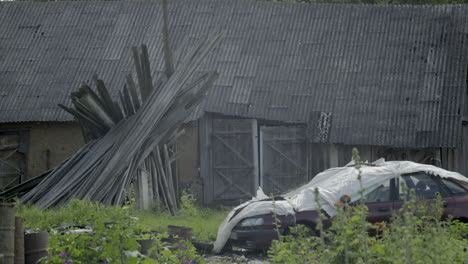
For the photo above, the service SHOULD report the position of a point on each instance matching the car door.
(380, 202)
(459, 194)
(426, 187)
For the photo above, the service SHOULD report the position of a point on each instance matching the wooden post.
(23, 148)
(255, 156)
(453, 162)
(205, 127)
(143, 188)
(19, 240)
(260, 151)
(333, 155)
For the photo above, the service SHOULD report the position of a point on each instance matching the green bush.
(115, 231)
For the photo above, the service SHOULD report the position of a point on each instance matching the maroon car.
(257, 232)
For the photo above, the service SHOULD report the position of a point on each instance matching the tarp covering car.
(332, 184)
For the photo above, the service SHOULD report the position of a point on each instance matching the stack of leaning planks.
(129, 141)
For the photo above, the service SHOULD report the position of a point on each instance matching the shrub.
(115, 231)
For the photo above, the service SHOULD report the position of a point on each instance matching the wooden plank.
(8, 164)
(91, 122)
(9, 154)
(154, 174)
(104, 164)
(124, 105)
(150, 183)
(139, 72)
(127, 101)
(9, 147)
(163, 192)
(164, 181)
(146, 69)
(231, 184)
(143, 189)
(149, 114)
(108, 103)
(136, 186)
(290, 160)
(175, 116)
(233, 150)
(86, 90)
(133, 92)
(170, 179)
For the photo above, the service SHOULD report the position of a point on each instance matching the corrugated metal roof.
(387, 75)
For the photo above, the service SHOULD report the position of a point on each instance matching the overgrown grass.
(116, 231)
(204, 221)
(79, 212)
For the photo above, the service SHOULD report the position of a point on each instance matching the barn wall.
(188, 162)
(433, 156)
(48, 143)
(204, 160)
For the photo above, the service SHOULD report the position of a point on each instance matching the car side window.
(453, 187)
(424, 185)
(380, 194)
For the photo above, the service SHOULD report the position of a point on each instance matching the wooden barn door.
(13, 148)
(283, 158)
(234, 168)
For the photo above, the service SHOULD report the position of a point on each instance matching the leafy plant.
(182, 252)
(115, 231)
(110, 240)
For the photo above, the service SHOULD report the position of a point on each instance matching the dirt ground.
(240, 257)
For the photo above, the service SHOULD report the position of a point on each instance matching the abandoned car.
(252, 224)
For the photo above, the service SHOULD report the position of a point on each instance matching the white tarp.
(332, 184)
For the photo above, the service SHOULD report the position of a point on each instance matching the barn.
(300, 85)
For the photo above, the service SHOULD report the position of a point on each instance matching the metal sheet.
(388, 74)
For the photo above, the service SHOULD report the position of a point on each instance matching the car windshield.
(425, 185)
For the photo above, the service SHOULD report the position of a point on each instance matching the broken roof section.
(375, 74)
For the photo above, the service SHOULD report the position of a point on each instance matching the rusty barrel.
(35, 246)
(180, 231)
(7, 232)
(19, 240)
